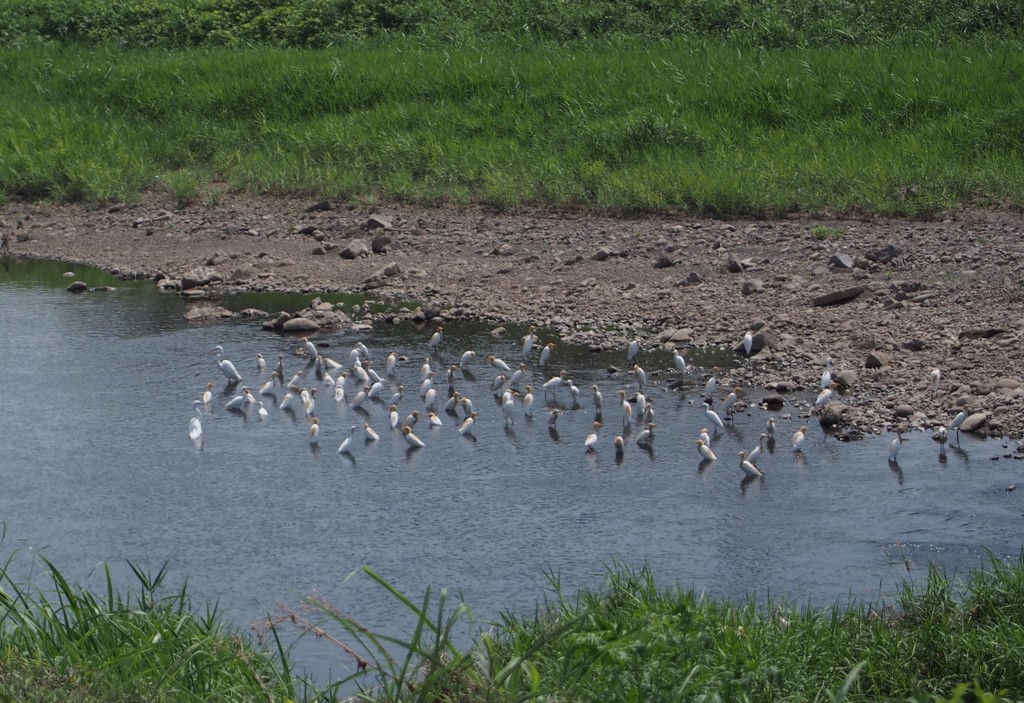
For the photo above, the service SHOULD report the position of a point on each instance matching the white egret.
(330, 364)
(261, 363)
(466, 359)
(553, 418)
(346, 445)
(226, 367)
(430, 400)
(597, 398)
(499, 364)
(517, 377)
(591, 441)
(827, 395)
(235, 403)
(339, 392)
(314, 431)
(627, 410)
(268, 387)
(641, 405)
(286, 401)
(310, 349)
(528, 342)
(730, 401)
(452, 404)
(467, 405)
(798, 438)
(466, 428)
(411, 419)
(208, 394)
(641, 377)
(748, 342)
(373, 393)
(508, 406)
(756, 452)
(425, 386)
(633, 351)
(528, 402)
(435, 421)
(262, 411)
(679, 362)
(957, 421)
(359, 373)
(357, 400)
(545, 353)
(574, 393)
(826, 375)
(435, 340)
(748, 466)
(249, 397)
(310, 405)
(934, 379)
(894, 445)
(414, 441)
(195, 425)
(769, 427)
(646, 436)
(280, 367)
(391, 362)
(620, 446)
(393, 417)
(425, 369)
(296, 379)
(371, 434)
(396, 397)
(713, 418)
(553, 383)
(709, 387)
(704, 436)
(498, 383)
(705, 451)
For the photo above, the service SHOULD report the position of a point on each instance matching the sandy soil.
(945, 295)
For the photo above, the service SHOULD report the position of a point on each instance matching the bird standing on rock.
(934, 379)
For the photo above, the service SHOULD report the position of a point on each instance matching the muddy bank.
(888, 301)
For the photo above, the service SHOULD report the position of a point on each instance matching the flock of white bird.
(357, 384)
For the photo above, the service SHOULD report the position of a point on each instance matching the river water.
(96, 466)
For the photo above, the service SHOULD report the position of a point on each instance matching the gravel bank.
(887, 300)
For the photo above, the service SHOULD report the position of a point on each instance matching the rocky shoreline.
(887, 300)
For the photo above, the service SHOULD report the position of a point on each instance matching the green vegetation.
(673, 126)
(321, 23)
(626, 641)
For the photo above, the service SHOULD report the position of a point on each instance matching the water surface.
(96, 466)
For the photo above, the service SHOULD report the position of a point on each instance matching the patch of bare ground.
(887, 300)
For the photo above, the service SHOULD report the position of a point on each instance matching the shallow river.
(96, 465)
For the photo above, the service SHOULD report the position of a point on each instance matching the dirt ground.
(945, 295)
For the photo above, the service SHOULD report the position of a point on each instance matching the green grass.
(628, 640)
(699, 127)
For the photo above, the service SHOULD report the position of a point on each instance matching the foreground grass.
(696, 126)
(628, 640)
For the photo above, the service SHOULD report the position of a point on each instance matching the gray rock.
(843, 262)
(903, 410)
(838, 297)
(381, 243)
(876, 360)
(354, 249)
(300, 324)
(752, 286)
(166, 284)
(320, 206)
(974, 422)
(378, 222)
(199, 276)
(206, 312)
(77, 287)
(773, 402)
(845, 379)
(884, 255)
(734, 265)
(601, 254)
(663, 262)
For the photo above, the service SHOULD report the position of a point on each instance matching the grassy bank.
(628, 640)
(696, 126)
(321, 23)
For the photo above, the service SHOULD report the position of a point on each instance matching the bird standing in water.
(590, 443)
